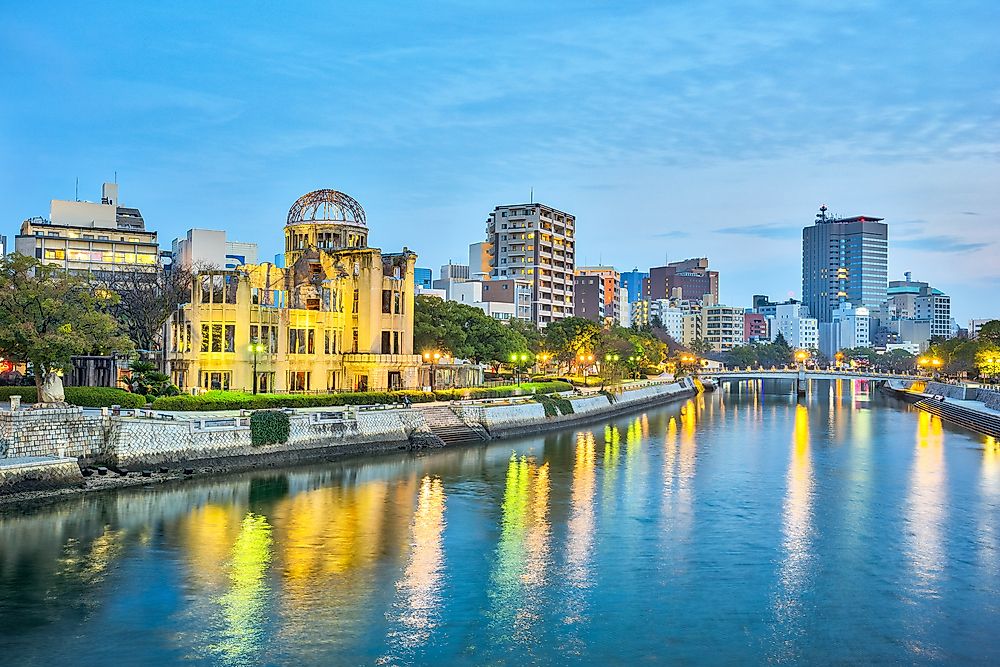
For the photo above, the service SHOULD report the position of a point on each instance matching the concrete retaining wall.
(990, 399)
(38, 474)
(956, 391)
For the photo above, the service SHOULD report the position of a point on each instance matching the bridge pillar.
(801, 381)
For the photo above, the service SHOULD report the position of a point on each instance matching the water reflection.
(418, 596)
(926, 504)
(522, 559)
(795, 569)
(244, 605)
(580, 536)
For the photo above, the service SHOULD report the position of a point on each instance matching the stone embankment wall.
(146, 440)
(33, 474)
(64, 431)
(957, 391)
(990, 399)
(502, 420)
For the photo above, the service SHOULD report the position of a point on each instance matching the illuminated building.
(87, 237)
(339, 317)
(537, 243)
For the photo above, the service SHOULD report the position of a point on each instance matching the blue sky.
(670, 129)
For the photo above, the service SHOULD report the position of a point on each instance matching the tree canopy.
(463, 331)
(48, 315)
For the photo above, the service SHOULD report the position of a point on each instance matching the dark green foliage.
(554, 405)
(612, 399)
(86, 397)
(268, 427)
(235, 400)
(463, 331)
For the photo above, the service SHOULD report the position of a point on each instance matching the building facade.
(87, 237)
(588, 298)
(915, 300)
(754, 327)
(791, 321)
(691, 276)
(423, 278)
(536, 243)
(850, 328)
(610, 282)
(722, 326)
(844, 260)
(209, 248)
(338, 317)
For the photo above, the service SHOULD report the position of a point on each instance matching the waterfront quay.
(840, 527)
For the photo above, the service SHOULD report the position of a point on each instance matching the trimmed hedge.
(237, 400)
(269, 427)
(85, 397)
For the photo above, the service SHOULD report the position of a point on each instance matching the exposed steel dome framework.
(326, 205)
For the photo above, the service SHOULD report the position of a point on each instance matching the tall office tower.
(692, 276)
(536, 243)
(423, 278)
(844, 260)
(609, 280)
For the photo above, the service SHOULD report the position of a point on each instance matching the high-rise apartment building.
(588, 298)
(722, 326)
(691, 276)
(754, 327)
(537, 243)
(88, 237)
(479, 260)
(844, 260)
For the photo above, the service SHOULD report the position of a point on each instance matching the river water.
(741, 526)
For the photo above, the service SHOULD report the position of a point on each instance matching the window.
(354, 340)
(354, 308)
(301, 341)
(298, 380)
(395, 381)
(386, 342)
(330, 341)
(266, 334)
(386, 301)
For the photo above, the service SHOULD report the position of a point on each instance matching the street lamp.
(432, 358)
(585, 360)
(801, 356)
(256, 348)
(611, 360)
(839, 357)
(518, 361)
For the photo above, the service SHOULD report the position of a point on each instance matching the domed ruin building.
(337, 317)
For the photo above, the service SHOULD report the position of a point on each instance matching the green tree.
(463, 331)
(989, 334)
(898, 361)
(566, 338)
(741, 356)
(700, 346)
(48, 315)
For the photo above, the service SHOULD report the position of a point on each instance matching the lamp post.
(432, 358)
(585, 360)
(612, 362)
(839, 358)
(255, 349)
(518, 361)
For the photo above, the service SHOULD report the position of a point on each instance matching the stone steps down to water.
(449, 428)
(970, 419)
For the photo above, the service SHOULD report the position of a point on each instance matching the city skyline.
(668, 132)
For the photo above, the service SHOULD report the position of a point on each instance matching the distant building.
(844, 260)
(208, 248)
(976, 325)
(632, 282)
(692, 329)
(754, 327)
(916, 300)
(588, 298)
(479, 260)
(624, 313)
(451, 274)
(537, 243)
(722, 326)
(86, 237)
(798, 330)
(423, 278)
(691, 276)
(850, 328)
(470, 293)
(3, 245)
(610, 281)
(512, 291)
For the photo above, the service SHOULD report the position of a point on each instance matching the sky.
(670, 129)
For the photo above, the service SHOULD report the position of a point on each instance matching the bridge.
(738, 374)
(802, 376)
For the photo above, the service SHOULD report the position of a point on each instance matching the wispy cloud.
(671, 234)
(941, 243)
(760, 231)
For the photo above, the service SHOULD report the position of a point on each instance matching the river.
(740, 526)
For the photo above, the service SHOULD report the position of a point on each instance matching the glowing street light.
(256, 348)
(432, 357)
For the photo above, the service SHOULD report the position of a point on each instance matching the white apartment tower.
(535, 242)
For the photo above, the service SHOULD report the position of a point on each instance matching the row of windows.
(103, 257)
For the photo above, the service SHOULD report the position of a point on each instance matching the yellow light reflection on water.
(990, 489)
(797, 535)
(580, 528)
(244, 604)
(418, 592)
(523, 553)
(926, 503)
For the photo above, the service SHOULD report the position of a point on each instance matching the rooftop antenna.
(116, 177)
(821, 216)
(77, 195)
(531, 196)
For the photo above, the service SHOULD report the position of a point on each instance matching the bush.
(268, 427)
(236, 400)
(86, 397)
(554, 405)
